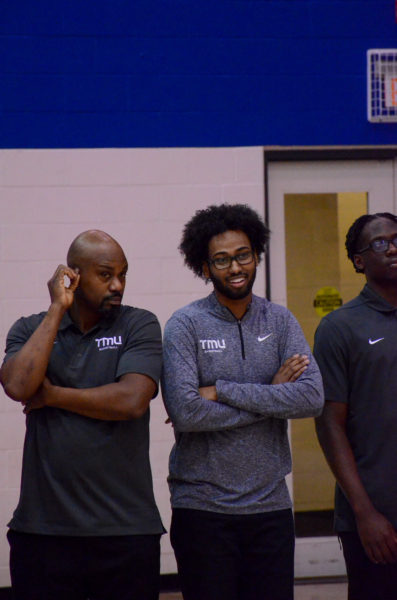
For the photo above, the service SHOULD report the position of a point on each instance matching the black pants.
(367, 581)
(234, 557)
(46, 567)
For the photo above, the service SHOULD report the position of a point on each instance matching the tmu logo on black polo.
(109, 343)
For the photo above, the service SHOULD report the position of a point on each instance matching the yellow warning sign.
(327, 299)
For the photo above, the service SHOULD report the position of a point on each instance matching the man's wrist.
(52, 396)
(56, 310)
(362, 508)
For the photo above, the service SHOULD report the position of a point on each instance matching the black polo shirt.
(84, 476)
(356, 350)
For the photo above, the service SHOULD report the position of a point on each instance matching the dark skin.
(377, 534)
(236, 295)
(380, 270)
(96, 273)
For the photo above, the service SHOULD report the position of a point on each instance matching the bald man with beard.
(86, 525)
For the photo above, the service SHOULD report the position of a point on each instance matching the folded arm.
(186, 407)
(125, 399)
(290, 371)
(291, 400)
(283, 397)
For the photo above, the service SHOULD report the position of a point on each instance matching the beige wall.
(142, 198)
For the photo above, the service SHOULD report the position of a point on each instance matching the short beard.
(229, 292)
(109, 312)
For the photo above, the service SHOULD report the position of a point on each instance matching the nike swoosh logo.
(262, 339)
(372, 342)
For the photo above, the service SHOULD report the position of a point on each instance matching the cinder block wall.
(142, 198)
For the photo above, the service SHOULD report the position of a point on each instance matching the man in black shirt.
(86, 525)
(356, 350)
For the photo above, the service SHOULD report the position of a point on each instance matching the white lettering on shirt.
(109, 343)
(213, 345)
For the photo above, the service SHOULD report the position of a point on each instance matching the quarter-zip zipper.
(241, 339)
(239, 329)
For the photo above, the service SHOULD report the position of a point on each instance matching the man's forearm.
(297, 399)
(377, 534)
(123, 400)
(105, 402)
(339, 455)
(22, 375)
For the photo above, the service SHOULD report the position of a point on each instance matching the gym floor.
(303, 591)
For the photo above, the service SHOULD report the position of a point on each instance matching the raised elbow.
(13, 385)
(13, 390)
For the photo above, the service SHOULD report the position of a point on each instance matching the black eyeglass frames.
(224, 262)
(379, 246)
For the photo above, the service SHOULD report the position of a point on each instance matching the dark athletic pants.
(367, 581)
(46, 567)
(234, 557)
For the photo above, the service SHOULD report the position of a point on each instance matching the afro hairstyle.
(214, 220)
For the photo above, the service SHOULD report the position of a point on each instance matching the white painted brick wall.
(142, 198)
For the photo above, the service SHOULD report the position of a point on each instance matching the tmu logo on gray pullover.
(232, 455)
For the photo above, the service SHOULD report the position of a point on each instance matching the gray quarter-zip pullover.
(232, 456)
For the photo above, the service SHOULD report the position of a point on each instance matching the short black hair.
(214, 220)
(353, 236)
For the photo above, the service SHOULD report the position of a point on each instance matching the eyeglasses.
(224, 262)
(379, 246)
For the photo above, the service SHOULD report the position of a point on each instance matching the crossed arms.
(295, 390)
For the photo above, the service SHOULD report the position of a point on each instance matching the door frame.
(312, 154)
(309, 550)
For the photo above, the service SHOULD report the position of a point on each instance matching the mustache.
(231, 277)
(114, 295)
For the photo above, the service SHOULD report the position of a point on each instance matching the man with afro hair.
(236, 368)
(356, 349)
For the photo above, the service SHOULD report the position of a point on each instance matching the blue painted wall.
(144, 73)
